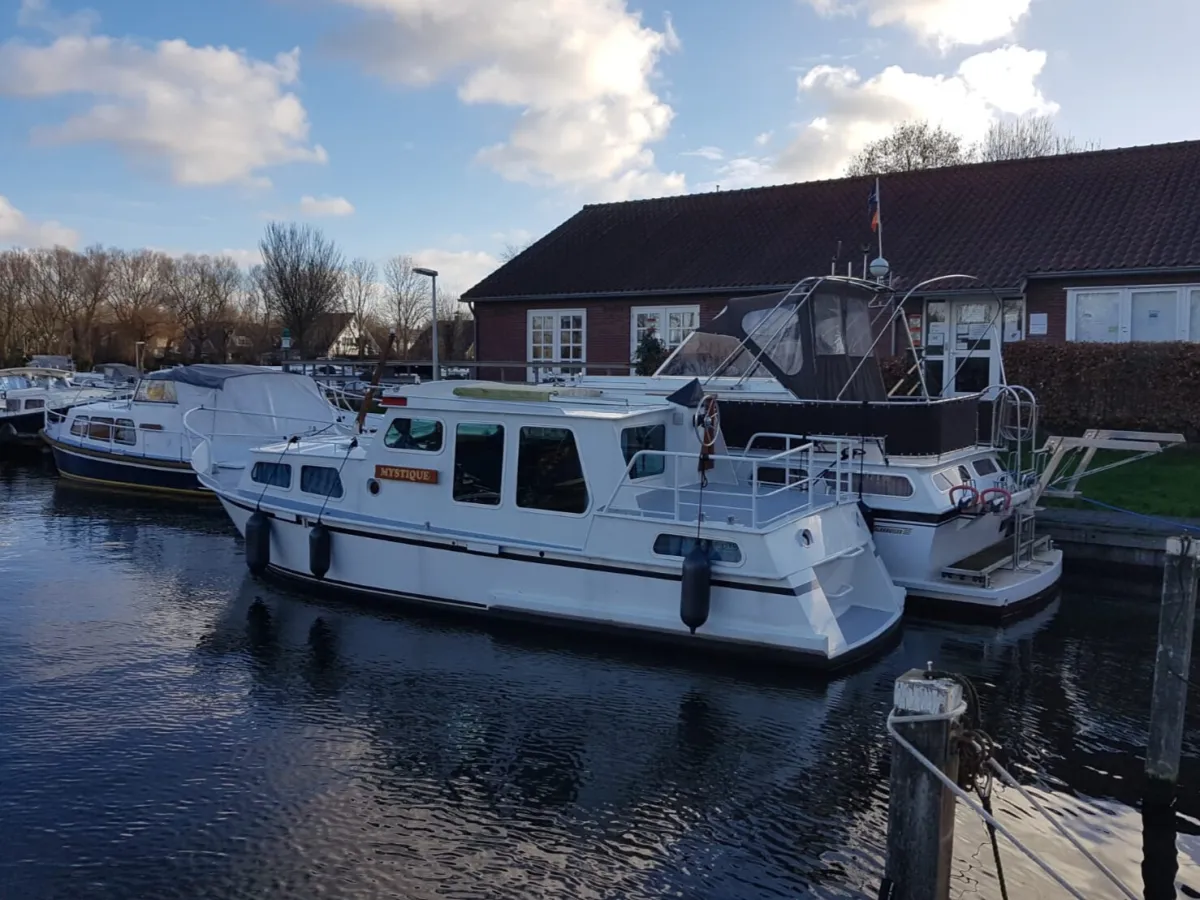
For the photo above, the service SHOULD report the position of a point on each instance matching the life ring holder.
(1000, 492)
(964, 487)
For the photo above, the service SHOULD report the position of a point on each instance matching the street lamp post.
(432, 275)
(137, 353)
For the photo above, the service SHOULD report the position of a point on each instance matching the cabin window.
(985, 466)
(883, 485)
(414, 434)
(549, 471)
(778, 331)
(35, 404)
(125, 432)
(478, 464)
(323, 480)
(645, 437)
(155, 390)
(272, 474)
(79, 426)
(12, 405)
(100, 428)
(682, 545)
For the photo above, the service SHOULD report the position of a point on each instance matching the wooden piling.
(1172, 665)
(920, 842)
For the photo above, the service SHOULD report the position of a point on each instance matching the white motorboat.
(950, 485)
(144, 443)
(575, 508)
(27, 393)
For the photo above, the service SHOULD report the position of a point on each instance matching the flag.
(873, 206)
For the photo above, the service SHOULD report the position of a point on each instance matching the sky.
(451, 129)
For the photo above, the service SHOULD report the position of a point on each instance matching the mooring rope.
(977, 765)
(1162, 520)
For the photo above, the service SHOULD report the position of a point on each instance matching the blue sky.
(447, 129)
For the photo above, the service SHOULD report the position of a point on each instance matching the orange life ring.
(710, 418)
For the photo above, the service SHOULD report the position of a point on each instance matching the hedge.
(1081, 385)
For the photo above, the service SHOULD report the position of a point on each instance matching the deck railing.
(736, 494)
(234, 446)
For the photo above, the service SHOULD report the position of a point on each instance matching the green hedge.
(1138, 386)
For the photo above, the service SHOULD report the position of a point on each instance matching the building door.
(557, 341)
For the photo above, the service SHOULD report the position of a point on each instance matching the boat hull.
(115, 471)
(586, 595)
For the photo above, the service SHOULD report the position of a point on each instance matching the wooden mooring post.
(920, 841)
(1172, 665)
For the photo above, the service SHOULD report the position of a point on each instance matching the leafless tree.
(52, 302)
(301, 277)
(1026, 137)
(408, 300)
(511, 251)
(138, 296)
(202, 291)
(360, 292)
(16, 284)
(911, 146)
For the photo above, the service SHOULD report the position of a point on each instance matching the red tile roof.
(1133, 208)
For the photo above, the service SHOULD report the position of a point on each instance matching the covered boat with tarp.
(146, 442)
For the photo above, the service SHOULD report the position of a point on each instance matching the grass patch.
(1167, 484)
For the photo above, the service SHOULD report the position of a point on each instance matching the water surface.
(174, 728)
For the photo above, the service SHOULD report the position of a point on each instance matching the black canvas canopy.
(815, 339)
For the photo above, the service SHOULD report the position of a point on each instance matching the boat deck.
(734, 504)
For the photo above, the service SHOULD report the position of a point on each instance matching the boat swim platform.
(976, 568)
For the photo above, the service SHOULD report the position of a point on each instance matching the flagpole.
(879, 214)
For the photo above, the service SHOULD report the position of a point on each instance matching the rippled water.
(170, 727)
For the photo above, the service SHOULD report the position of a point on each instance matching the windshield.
(701, 354)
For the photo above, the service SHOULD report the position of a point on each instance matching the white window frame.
(539, 370)
(664, 313)
(1183, 293)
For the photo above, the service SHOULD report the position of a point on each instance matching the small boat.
(144, 442)
(575, 508)
(949, 484)
(29, 392)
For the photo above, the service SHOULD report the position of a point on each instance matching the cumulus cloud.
(855, 111)
(17, 229)
(315, 207)
(213, 115)
(944, 22)
(457, 270)
(579, 71)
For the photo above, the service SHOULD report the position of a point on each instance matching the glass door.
(556, 344)
(973, 348)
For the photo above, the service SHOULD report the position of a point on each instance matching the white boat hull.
(805, 620)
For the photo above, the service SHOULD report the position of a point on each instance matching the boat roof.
(522, 399)
(209, 375)
(41, 371)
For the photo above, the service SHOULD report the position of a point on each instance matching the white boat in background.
(145, 442)
(574, 508)
(27, 393)
(949, 485)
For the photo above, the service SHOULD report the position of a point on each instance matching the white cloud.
(19, 230)
(212, 114)
(855, 111)
(39, 14)
(945, 22)
(325, 206)
(457, 270)
(580, 71)
(713, 154)
(244, 258)
(763, 139)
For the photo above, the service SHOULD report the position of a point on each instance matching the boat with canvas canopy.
(28, 393)
(571, 507)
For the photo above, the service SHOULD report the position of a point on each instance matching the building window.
(323, 480)
(549, 472)
(671, 324)
(478, 464)
(272, 474)
(557, 342)
(414, 434)
(645, 437)
(682, 545)
(1122, 314)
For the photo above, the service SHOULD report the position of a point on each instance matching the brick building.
(1100, 246)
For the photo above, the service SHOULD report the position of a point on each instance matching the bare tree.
(1026, 137)
(52, 302)
(202, 291)
(16, 285)
(360, 291)
(913, 145)
(301, 277)
(138, 296)
(511, 251)
(408, 300)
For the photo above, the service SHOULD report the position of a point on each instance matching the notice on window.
(937, 334)
(1037, 323)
